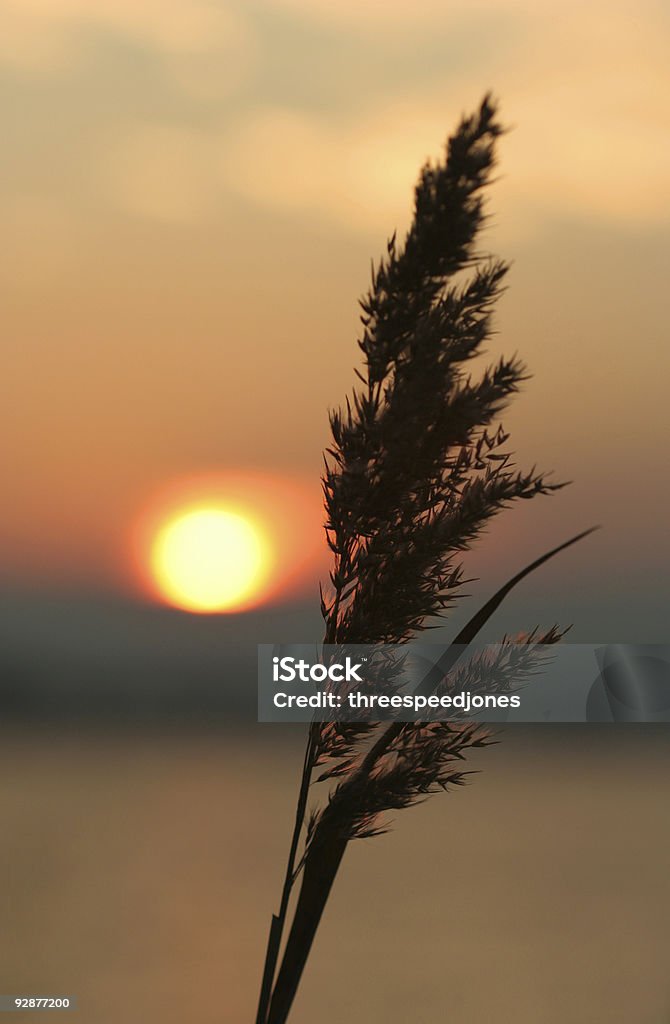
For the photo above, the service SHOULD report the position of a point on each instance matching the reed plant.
(418, 466)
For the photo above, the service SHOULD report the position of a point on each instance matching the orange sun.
(210, 559)
(227, 542)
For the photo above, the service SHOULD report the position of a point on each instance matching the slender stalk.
(317, 880)
(279, 919)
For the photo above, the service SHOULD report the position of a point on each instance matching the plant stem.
(318, 877)
(279, 919)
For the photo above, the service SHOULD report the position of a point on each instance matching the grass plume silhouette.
(417, 468)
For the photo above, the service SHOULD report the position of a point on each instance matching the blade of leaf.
(460, 643)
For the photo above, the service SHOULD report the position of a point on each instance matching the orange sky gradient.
(191, 196)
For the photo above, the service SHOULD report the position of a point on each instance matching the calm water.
(139, 873)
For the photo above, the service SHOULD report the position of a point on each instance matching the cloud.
(588, 146)
(586, 91)
(353, 174)
(207, 47)
(563, 159)
(390, 16)
(588, 104)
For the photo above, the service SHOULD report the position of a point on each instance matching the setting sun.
(210, 559)
(228, 541)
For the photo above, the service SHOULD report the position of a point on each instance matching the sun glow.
(210, 559)
(228, 541)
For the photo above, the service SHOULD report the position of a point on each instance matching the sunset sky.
(191, 194)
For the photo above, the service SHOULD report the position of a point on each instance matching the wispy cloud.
(588, 106)
(586, 89)
(386, 16)
(205, 46)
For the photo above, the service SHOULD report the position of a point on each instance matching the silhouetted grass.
(418, 466)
